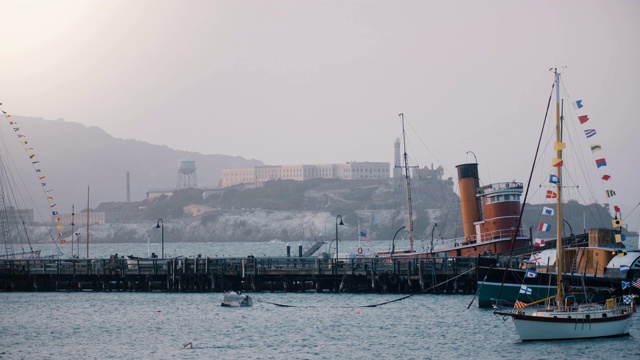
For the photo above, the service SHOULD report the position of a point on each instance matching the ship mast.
(559, 265)
(406, 176)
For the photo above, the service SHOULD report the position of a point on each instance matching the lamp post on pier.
(341, 223)
(160, 225)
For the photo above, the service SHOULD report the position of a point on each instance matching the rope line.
(372, 305)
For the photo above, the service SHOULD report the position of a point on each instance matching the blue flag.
(578, 104)
(626, 284)
(530, 274)
(554, 179)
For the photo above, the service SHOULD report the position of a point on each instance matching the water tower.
(187, 174)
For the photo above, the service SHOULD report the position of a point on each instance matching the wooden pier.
(285, 274)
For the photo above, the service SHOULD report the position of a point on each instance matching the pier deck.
(288, 274)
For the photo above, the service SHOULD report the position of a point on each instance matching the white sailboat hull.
(573, 325)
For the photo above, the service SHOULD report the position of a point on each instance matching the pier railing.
(220, 274)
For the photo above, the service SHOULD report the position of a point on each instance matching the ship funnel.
(468, 183)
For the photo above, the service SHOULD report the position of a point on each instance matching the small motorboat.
(236, 299)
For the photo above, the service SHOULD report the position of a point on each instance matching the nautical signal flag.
(524, 289)
(531, 274)
(559, 146)
(557, 162)
(535, 258)
(595, 147)
(622, 253)
(610, 193)
(539, 243)
(554, 179)
(618, 238)
(624, 269)
(625, 284)
(544, 227)
(583, 119)
(617, 222)
(577, 104)
(616, 208)
(62, 241)
(519, 305)
(590, 133)
(551, 194)
(627, 299)
(606, 177)
(547, 211)
(601, 162)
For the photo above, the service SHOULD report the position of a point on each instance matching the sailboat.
(560, 317)
(490, 215)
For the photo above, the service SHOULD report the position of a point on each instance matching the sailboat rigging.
(560, 317)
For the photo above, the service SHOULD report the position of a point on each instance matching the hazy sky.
(289, 82)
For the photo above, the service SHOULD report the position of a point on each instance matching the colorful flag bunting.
(531, 274)
(616, 208)
(595, 147)
(636, 283)
(617, 222)
(544, 227)
(583, 119)
(578, 104)
(519, 305)
(524, 289)
(590, 133)
(559, 146)
(622, 253)
(610, 193)
(551, 194)
(62, 241)
(606, 177)
(601, 162)
(547, 211)
(557, 162)
(539, 243)
(618, 238)
(626, 284)
(554, 179)
(627, 299)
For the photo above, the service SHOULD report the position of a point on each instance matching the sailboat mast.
(559, 264)
(406, 176)
(87, 222)
(73, 214)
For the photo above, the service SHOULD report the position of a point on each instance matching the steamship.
(490, 216)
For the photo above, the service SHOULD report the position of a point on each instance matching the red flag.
(606, 177)
(616, 208)
(551, 194)
(583, 119)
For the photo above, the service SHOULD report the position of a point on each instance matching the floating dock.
(273, 274)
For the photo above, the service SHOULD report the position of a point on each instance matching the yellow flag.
(617, 222)
(59, 227)
(618, 238)
(559, 146)
(557, 162)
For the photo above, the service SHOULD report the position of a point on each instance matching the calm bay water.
(322, 326)
(85, 325)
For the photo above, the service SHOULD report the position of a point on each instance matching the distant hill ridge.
(74, 157)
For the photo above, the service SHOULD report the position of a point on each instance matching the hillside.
(74, 157)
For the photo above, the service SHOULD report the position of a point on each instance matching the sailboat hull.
(572, 325)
